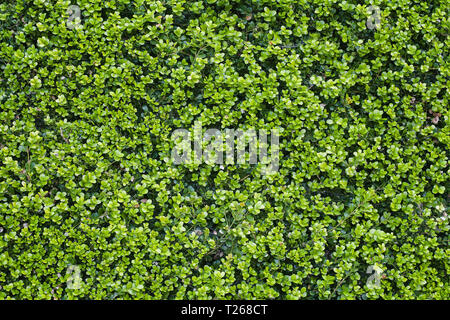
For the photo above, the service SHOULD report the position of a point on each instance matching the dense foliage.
(86, 180)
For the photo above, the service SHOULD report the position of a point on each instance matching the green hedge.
(86, 182)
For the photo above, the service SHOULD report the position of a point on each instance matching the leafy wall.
(86, 182)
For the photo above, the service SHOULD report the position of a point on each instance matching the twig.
(62, 135)
(338, 285)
